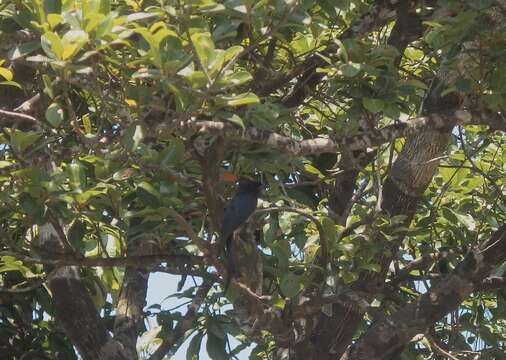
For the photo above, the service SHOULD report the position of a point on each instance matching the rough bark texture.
(386, 337)
(74, 308)
(129, 322)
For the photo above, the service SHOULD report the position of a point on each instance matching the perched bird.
(237, 212)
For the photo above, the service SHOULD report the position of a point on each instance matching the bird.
(238, 211)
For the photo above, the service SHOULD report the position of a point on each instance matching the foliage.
(115, 149)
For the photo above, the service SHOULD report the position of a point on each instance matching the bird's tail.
(231, 265)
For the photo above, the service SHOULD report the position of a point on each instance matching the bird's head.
(246, 183)
(249, 186)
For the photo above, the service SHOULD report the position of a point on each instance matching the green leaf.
(72, 42)
(309, 168)
(145, 73)
(76, 233)
(237, 100)
(232, 52)
(55, 114)
(454, 217)
(266, 116)
(197, 79)
(33, 207)
(214, 327)
(172, 53)
(54, 20)
(173, 153)
(181, 98)
(52, 6)
(133, 137)
(232, 118)
(416, 84)
(48, 86)
(349, 277)
(329, 227)
(76, 175)
(408, 291)
(453, 176)
(148, 194)
(12, 264)
(207, 7)
(105, 26)
(6, 73)
(204, 47)
(281, 251)
(84, 197)
(235, 79)
(10, 83)
(290, 284)
(4, 164)
(216, 61)
(371, 267)
(303, 44)
(192, 353)
(342, 52)
(373, 105)
(139, 16)
(215, 347)
(52, 45)
(21, 140)
(285, 222)
(350, 69)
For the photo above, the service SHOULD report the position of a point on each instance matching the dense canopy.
(375, 127)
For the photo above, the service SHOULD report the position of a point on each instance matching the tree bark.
(390, 335)
(128, 324)
(74, 308)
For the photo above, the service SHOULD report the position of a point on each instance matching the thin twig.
(27, 105)
(18, 115)
(438, 349)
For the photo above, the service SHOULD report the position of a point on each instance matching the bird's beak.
(228, 177)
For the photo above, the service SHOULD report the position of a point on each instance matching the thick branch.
(133, 261)
(325, 145)
(392, 334)
(129, 320)
(74, 307)
(494, 120)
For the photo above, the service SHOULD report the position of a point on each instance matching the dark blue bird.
(240, 208)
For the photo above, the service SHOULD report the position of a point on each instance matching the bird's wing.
(237, 212)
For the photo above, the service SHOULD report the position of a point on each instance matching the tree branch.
(74, 307)
(129, 320)
(185, 324)
(134, 261)
(436, 121)
(18, 120)
(493, 283)
(390, 335)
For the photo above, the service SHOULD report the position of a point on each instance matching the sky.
(160, 286)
